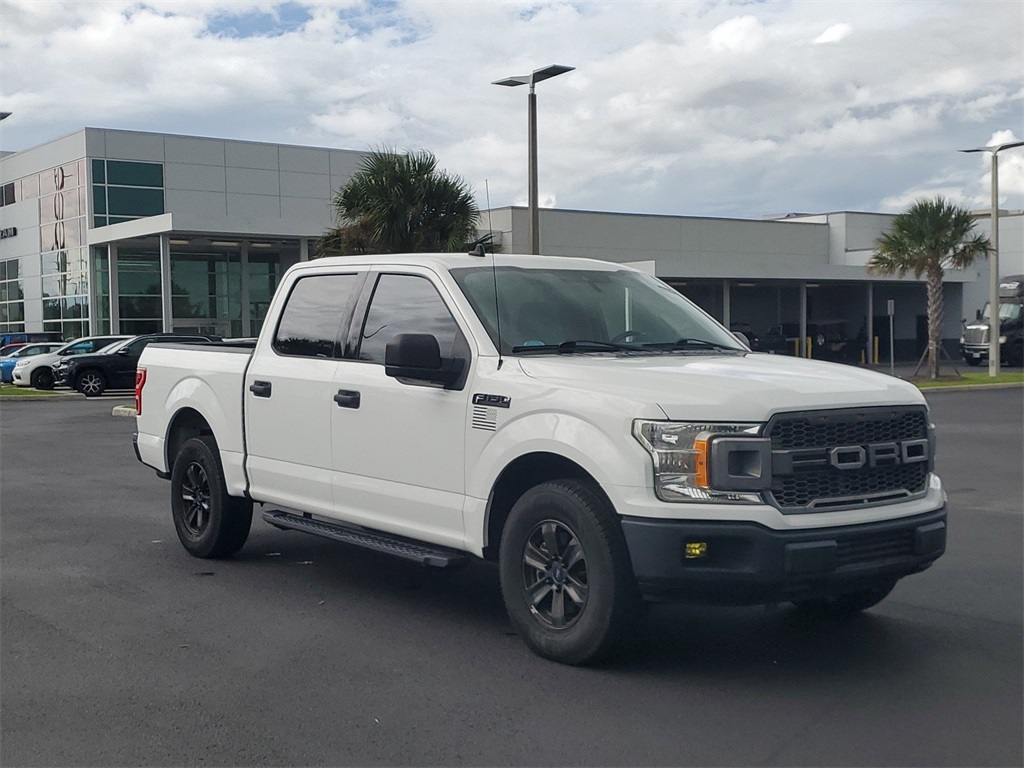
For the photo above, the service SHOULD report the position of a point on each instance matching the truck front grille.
(976, 336)
(805, 474)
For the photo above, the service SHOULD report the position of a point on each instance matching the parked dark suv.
(93, 374)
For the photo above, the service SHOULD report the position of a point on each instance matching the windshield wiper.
(579, 345)
(685, 343)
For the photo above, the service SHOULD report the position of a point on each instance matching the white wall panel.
(189, 206)
(202, 178)
(197, 151)
(242, 154)
(305, 160)
(254, 208)
(129, 145)
(305, 185)
(249, 181)
(316, 213)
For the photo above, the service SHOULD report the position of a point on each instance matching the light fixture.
(224, 243)
(179, 242)
(532, 79)
(745, 285)
(261, 245)
(993, 285)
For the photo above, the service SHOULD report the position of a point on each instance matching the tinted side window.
(406, 304)
(313, 314)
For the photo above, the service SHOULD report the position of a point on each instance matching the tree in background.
(400, 203)
(928, 238)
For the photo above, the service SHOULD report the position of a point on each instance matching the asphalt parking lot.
(117, 648)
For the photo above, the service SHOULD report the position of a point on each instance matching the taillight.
(140, 382)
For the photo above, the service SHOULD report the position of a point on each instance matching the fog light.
(695, 549)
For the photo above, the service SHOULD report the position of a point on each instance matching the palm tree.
(400, 202)
(928, 238)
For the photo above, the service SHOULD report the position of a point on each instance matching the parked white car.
(37, 371)
(8, 361)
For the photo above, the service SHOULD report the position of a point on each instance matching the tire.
(210, 524)
(91, 383)
(973, 362)
(846, 605)
(42, 378)
(574, 604)
(1015, 355)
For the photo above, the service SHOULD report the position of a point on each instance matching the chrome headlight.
(22, 363)
(695, 461)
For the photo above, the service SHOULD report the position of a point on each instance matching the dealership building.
(130, 232)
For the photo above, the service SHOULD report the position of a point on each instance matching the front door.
(399, 446)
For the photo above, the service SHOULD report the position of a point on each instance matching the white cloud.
(834, 34)
(675, 107)
(740, 35)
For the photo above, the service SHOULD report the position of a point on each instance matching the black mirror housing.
(418, 356)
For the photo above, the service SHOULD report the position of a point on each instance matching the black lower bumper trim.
(737, 563)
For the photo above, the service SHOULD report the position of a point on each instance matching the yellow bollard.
(796, 347)
(810, 348)
(875, 361)
(862, 357)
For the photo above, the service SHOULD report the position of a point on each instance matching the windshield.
(570, 310)
(1006, 311)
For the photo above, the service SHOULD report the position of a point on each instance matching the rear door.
(288, 394)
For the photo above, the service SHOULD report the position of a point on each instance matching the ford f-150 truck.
(582, 424)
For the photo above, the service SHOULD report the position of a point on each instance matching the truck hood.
(750, 387)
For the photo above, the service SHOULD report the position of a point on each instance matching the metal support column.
(243, 250)
(726, 304)
(869, 353)
(115, 309)
(803, 320)
(167, 316)
(303, 249)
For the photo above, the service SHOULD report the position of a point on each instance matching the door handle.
(347, 398)
(260, 388)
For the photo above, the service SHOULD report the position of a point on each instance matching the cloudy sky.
(738, 108)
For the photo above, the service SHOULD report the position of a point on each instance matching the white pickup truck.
(581, 423)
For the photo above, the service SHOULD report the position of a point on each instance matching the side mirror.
(418, 356)
(977, 314)
(124, 352)
(742, 337)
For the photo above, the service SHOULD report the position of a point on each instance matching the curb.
(971, 387)
(124, 410)
(40, 398)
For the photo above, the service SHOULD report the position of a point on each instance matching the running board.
(425, 554)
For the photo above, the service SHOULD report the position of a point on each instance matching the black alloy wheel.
(42, 378)
(91, 383)
(195, 497)
(555, 574)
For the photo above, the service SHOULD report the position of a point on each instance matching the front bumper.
(746, 563)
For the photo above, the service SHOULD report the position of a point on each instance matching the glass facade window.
(123, 190)
(12, 303)
(206, 293)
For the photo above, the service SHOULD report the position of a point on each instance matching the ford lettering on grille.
(846, 458)
(878, 454)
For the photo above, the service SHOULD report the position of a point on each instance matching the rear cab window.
(316, 314)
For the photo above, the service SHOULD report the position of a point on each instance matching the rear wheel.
(209, 522)
(565, 573)
(848, 604)
(42, 378)
(91, 383)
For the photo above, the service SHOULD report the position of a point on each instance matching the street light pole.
(532, 79)
(993, 285)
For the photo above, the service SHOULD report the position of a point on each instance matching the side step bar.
(425, 554)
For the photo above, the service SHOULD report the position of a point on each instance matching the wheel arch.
(521, 474)
(185, 424)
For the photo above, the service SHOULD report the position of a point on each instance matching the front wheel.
(848, 604)
(42, 378)
(209, 522)
(91, 383)
(565, 573)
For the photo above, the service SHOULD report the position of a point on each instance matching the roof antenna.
(494, 271)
